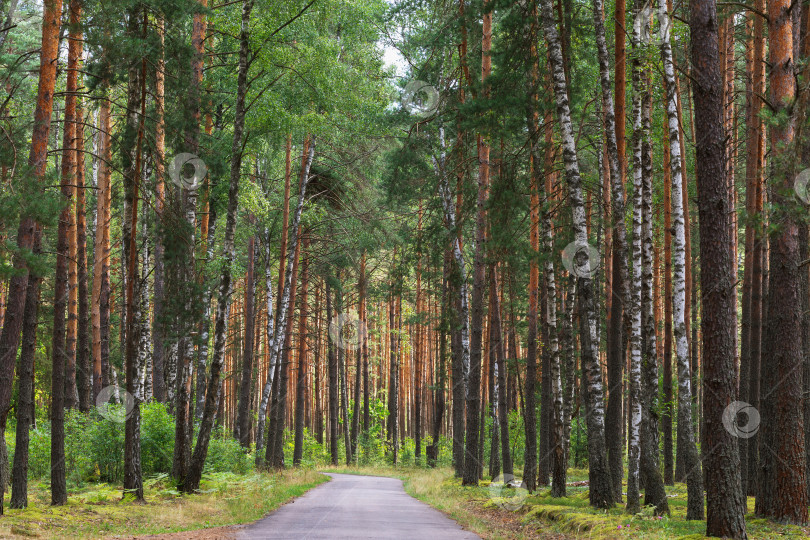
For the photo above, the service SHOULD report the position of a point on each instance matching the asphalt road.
(351, 506)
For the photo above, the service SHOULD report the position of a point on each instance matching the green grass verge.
(541, 515)
(97, 511)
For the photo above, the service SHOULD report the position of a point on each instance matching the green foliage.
(226, 455)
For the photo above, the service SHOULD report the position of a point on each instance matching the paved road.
(351, 506)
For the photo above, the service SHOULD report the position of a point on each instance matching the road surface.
(351, 506)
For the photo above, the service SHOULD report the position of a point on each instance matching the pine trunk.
(783, 488)
(724, 499)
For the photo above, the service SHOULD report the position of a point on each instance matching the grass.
(97, 511)
(483, 510)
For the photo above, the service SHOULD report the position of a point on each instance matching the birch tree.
(686, 438)
(601, 490)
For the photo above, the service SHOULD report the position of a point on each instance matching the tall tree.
(301, 373)
(59, 347)
(724, 499)
(27, 235)
(470, 473)
(131, 152)
(243, 413)
(25, 403)
(601, 490)
(782, 482)
(619, 291)
(530, 421)
(686, 440)
(83, 368)
(212, 395)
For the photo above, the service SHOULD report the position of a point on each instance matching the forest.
(553, 255)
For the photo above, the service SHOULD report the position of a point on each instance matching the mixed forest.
(551, 235)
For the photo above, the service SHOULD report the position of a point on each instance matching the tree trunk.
(432, 451)
(726, 506)
(59, 347)
(471, 466)
(301, 375)
(654, 493)
(274, 455)
(343, 366)
(783, 488)
(601, 490)
(393, 377)
(497, 342)
(667, 356)
(83, 370)
(212, 397)
(243, 417)
(131, 151)
(634, 432)
(530, 421)
(333, 382)
(619, 291)
(556, 454)
(282, 327)
(25, 403)
(362, 286)
(101, 251)
(460, 344)
(158, 347)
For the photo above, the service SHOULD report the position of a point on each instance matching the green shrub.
(39, 452)
(226, 455)
(157, 439)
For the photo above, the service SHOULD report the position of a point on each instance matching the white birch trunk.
(601, 492)
(557, 433)
(449, 206)
(281, 325)
(634, 436)
(695, 477)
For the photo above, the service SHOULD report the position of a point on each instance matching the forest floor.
(229, 501)
(97, 511)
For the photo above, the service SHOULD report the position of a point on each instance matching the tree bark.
(213, 391)
(101, 262)
(301, 374)
(333, 383)
(282, 327)
(59, 347)
(601, 490)
(25, 403)
(243, 417)
(530, 421)
(473, 402)
(654, 493)
(783, 488)
(83, 368)
(619, 291)
(725, 503)
(667, 354)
